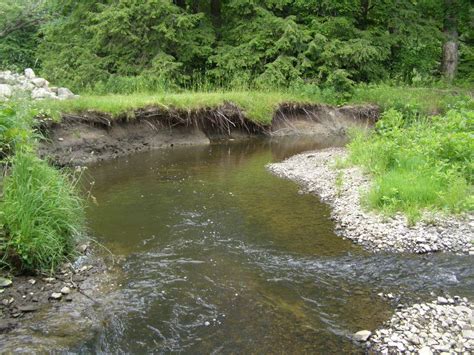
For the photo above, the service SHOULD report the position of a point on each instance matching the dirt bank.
(316, 172)
(94, 136)
(45, 312)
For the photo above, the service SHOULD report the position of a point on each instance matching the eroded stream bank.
(94, 136)
(219, 255)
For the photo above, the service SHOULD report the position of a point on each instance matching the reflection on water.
(221, 256)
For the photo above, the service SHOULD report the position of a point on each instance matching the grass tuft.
(41, 214)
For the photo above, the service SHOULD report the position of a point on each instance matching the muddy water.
(219, 256)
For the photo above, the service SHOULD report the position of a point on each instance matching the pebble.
(362, 335)
(56, 295)
(65, 290)
(434, 327)
(315, 171)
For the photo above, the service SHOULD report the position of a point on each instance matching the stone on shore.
(29, 84)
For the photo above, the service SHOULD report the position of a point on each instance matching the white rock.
(425, 351)
(65, 290)
(56, 295)
(5, 91)
(42, 93)
(65, 93)
(40, 82)
(362, 335)
(29, 73)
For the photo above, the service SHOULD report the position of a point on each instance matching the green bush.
(419, 163)
(41, 214)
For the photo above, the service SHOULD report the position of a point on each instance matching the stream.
(220, 256)
(217, 255)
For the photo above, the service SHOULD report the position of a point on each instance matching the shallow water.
(220, 256)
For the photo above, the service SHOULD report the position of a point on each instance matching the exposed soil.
(94, 136)
(29, 300)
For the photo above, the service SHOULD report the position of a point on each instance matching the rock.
(31, 281)
(42, 93)
(40, 82)
(362, 335)
(29, 73)
(6, 326)
(65, 290)
(28, 308)
(468, 334)
(425, 351)
(442, 300)
(5, 282)
(83, 248)
(49, 279)
(65, 93)
(5, 91)
(56, 296)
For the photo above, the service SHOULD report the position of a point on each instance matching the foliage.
(15, 127)
(419, 162)
(41, 214)
(18, 32)
(126, 46)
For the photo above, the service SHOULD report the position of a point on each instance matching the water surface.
(220, 256)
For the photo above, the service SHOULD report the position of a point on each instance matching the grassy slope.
(258, 106)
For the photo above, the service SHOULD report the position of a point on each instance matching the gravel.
(315, 171)
(428, 328)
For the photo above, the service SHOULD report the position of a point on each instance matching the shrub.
(41, 214)
(419, 163)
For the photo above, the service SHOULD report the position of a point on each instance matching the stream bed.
(220, 256)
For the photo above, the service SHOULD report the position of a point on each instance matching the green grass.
(259, 106)
(418, 163)
(41, 214)
(40, 211)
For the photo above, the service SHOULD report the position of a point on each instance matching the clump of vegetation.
(419, 162)
(41, 211)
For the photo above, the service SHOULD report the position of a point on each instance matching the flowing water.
(220, 256)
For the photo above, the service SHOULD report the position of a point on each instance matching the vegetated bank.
(42, 230)
(410, 168)
(405, 186)
(96, 128)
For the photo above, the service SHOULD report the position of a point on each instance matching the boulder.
(29, 73)
(42, 93)
(5, 91)
(65, 93)
(40, 82)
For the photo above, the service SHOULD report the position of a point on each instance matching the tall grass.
(419, 163)
(41, 213)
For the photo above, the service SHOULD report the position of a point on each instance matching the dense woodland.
(123, 45)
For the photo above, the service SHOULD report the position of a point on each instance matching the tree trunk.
(364, 12)
(451, 45)
(216, 12)
(180, 3)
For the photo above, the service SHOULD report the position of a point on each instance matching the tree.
(451, 44)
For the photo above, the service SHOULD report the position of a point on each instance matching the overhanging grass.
(258, 107)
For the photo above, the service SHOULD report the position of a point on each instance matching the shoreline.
(444, 325)
(60, 309)
(316, 173)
